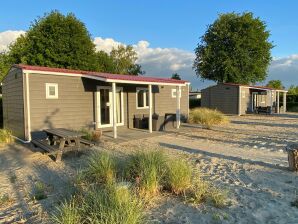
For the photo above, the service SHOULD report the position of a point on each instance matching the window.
(142, 98)
(51, 91)
(174, 93)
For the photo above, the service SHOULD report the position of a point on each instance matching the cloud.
(285, 69)
(7, 37)
(163, 62)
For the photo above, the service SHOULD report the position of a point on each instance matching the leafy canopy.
(276, 84)
(176, 76)
(293, 90)
(63, 41)
(235, 48)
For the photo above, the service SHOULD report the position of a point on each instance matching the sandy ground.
(246, 157)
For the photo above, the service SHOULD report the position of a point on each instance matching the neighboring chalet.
(195, 95)
(239, 99)
(37, 98)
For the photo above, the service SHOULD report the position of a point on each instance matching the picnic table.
(63, 138)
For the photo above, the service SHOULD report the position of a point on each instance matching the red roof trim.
(102, 74)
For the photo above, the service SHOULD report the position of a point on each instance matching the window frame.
(144, 97)
(48, 96)
(174, 93)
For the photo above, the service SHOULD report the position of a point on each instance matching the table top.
(64, 133)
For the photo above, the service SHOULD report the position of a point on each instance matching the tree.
(235, 48)
(275, 84)
(293, 90)
(176, 76)
(55, 40)
(124, 61)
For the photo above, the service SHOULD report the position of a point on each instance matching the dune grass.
(113, 204)
(179, 174)
(146, 170)
(207, 117)
(109, 196)
(67, 213)
(101, 168)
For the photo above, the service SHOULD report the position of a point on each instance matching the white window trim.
(144, 98)
(48, 96)
(174, 93)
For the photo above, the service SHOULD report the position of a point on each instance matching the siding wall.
(13, 103)
(221, 97)
(162, 101)
(75, 106)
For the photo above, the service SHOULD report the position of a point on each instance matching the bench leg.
(77, 140)
(60, 151)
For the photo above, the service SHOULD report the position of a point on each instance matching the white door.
(105, 106)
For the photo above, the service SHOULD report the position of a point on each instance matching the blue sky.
(166, 25)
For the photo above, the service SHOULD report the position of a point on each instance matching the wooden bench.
(43, 144)
(86, 142)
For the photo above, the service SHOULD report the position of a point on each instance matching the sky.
(164, 33)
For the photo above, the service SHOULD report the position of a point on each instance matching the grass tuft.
(101, 168)
(40, 191)
(178, 176)
(5, 136)
(146, 170)
(207, 117)
(218, 197)
(67, 213)
(198, 193)
(113, 204)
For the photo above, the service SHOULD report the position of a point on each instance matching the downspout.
(239, 101)
(28, 108)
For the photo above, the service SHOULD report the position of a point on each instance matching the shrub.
(147, 170)
(113, 204)
(207, 117)
(5, 136)
(67, 213)
(101, 168)
(218, 197)
(178, 177)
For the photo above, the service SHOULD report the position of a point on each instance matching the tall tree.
(55, 40)
(276, 84)
(124, 61)
(176, 76)
(235, 48)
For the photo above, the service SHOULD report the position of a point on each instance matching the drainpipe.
(239, 101)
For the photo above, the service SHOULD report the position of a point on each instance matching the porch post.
(285, 101)
(150, 108)
(178, 90)
(270, 92)
(277, 101)
(114, 109)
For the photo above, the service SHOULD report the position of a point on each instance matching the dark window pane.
(52, 90)
(147, 98)
(140, 98)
